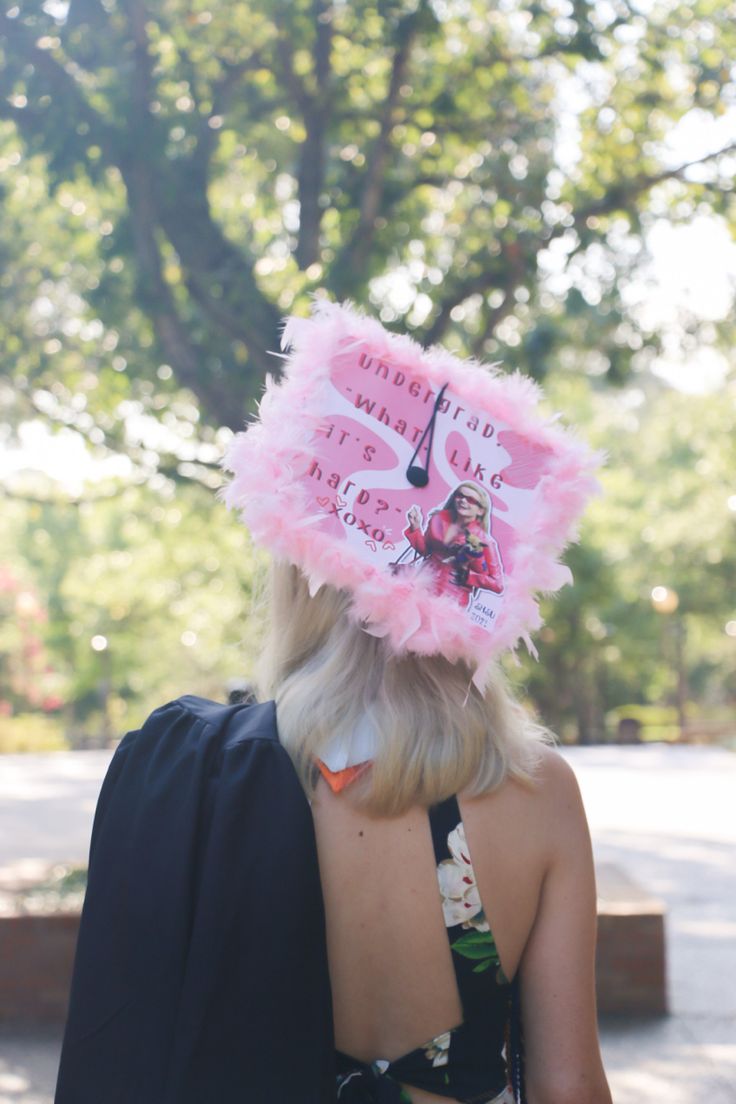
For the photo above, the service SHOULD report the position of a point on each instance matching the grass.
(31, 732)
(62, 891)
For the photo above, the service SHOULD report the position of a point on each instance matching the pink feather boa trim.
(274, 451)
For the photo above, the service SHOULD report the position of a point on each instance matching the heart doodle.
(323, 501)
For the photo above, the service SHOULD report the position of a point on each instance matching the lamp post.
(100, 644)
(666, 600)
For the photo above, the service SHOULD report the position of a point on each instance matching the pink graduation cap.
(429, 488)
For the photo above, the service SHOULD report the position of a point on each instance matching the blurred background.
(547, 185)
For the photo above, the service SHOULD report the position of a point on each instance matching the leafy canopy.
(177, 176)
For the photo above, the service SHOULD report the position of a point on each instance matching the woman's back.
(372, 658)
(392, 973)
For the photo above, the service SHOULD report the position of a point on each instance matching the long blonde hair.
(436, 733)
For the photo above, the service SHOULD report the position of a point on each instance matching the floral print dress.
(479, 1061)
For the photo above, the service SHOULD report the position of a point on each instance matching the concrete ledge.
(36, 958)
(631, 975)
(40, 904)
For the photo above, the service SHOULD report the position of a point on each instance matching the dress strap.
(474, 955)
(443, 819)
(448, 836)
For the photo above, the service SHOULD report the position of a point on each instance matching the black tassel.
(417, 475)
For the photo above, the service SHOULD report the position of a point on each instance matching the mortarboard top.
(430, 488)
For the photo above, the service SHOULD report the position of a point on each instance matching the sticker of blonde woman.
(456, 545)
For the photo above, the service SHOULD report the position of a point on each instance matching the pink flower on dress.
(461, 902)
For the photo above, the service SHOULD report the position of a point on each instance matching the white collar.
(359, 746)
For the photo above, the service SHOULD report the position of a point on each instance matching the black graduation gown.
(201, 970)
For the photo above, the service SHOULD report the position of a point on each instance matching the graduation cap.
(431, 489)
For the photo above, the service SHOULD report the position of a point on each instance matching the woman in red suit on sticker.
(457, 544)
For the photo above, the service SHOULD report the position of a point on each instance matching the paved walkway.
(667, 814)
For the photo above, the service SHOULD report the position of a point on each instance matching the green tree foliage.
(167, 577)
(666, 518)
(177, 176)
(27, 678)
(161, 576)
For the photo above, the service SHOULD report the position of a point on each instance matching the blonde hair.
(484, 497)
(436, 733)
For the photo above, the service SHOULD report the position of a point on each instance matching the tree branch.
(462, 290)
(294, 83)
(177, 203)
(313, 154)
(190, 71)
(145, 216)
(142, 84)
(315, 108)
(183, 353)
(56, 499)
(216, 272)
(322, 11)
(619, 195)
(61, 83)
(493, 315)
(222, 93)
(505, 273)
(352, 259)
(116, 445)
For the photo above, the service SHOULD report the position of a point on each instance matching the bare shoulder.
(551, 794)
(559, 795)
(553, 772)
(549, 806)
